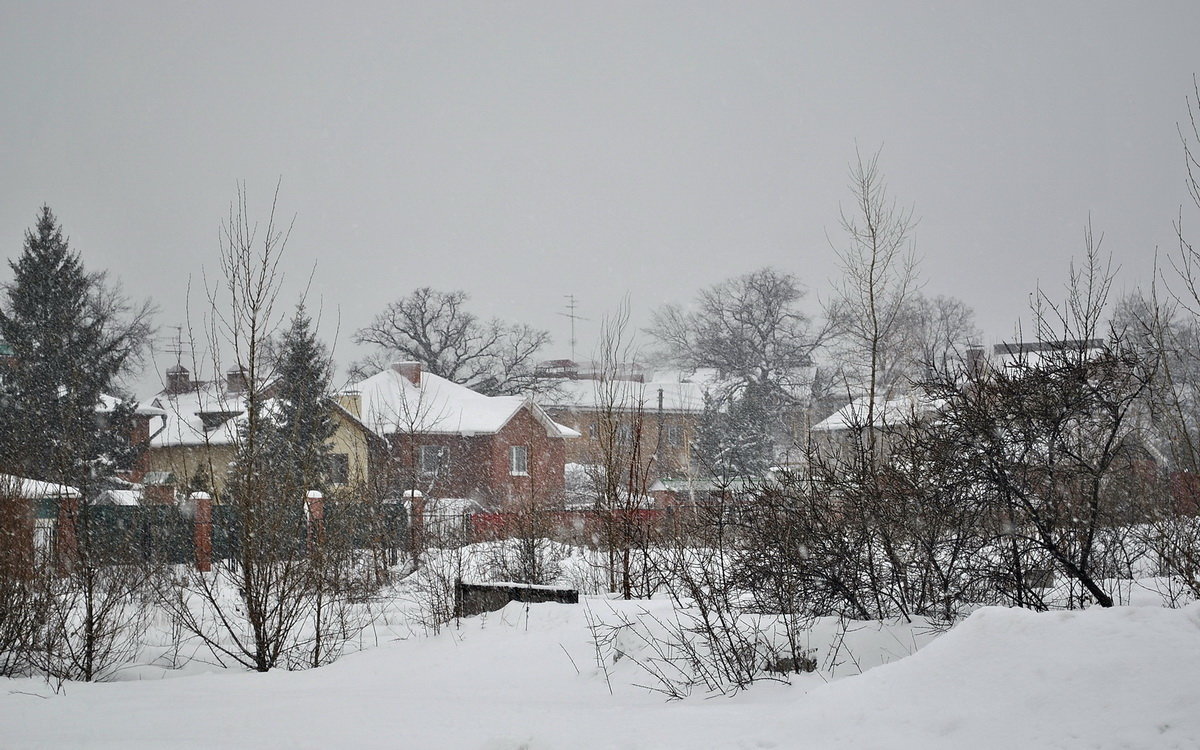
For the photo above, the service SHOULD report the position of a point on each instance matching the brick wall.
(478, 467)
(678, 430)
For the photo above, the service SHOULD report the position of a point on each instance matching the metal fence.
(168, 534)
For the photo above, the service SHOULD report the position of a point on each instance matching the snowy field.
(534, 677)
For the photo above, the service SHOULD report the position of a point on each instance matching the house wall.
(546, 481)
(16, 529)
(349, 439)
(478, 466)
(673, 458)
(184, 460)
(140, 438)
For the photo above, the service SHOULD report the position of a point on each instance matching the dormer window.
(214, 419)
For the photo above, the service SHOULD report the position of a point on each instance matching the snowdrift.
(529, 678)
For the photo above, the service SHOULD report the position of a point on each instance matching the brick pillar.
(16, 535)
(314, 513)
(67, 553)
(416, 521)
(201, 502)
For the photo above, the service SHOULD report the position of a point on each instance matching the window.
(45, 541)
(674, 434)
(518, 460)
(339, 468)
(433, 458)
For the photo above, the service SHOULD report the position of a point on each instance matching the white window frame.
(518, 460)
(433, 459)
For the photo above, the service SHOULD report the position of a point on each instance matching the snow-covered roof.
(119, 497)
(389, 403)
(707, 377)
(108, 404)
(32, 489)
(887, 412)
(626, 395)
(204, 415)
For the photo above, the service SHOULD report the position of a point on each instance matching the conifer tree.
(733, 437)
(70, 340)
(302, 424)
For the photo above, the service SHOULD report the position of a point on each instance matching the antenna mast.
(176, 346)
(572, 305)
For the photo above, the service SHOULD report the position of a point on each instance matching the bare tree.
(435, 329)
(750, 329)
(1052, 435)
(250, 609)
(941, 328)
(879, 279)
(622, 465)
(1166, 324)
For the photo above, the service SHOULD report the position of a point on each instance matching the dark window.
(339, 468)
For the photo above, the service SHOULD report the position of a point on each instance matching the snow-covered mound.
(1007, 678)
(529, 678)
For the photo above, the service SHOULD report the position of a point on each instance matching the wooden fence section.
(476, 598)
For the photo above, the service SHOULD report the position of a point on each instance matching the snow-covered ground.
(529, 677)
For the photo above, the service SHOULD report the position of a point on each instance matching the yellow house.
(196, 438)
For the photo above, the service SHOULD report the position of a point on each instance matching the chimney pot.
(235, 380)
(410, 370)
(178, 379)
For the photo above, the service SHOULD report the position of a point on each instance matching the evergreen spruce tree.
(301, 425)
(733, 436)
(66, 350)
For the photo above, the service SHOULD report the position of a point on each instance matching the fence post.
(201, 503)
(416, 521)
(68, 534)
(314, 515)
(17, 529)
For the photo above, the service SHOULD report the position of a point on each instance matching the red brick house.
(448, 441)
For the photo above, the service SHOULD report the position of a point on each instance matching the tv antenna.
(572, 306)
(176, 346)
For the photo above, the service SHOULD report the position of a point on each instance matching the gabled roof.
(390, 403)
(887, 412)
(108, 404)
(209, 415)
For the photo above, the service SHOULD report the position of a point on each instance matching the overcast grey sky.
(525, 151)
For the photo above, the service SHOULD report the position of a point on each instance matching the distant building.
(1030, 353)
(196, 436)
(447, 441)
(663, 415)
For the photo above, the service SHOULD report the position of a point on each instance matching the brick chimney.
(235, 380)
(178, 379)
(410, 370)
(351, 401)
